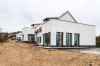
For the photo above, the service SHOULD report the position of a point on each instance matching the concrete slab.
(91, 51)
(65, 47)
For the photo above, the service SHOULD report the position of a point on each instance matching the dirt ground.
(23, 54)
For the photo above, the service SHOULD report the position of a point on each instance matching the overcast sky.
(16, 14)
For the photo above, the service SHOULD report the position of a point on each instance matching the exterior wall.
(25, 32)
(87, 32)
(53, 37)
(19, 35)
(45, 29)
(25, 38)
(39, 35)
(28, 30)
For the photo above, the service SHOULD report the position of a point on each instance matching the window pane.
(68, 39)
(46, 39)
(76, 39)
(59, 39)
(40, 39)
(31, 37)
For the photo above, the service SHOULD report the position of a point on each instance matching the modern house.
(64, 31)
(27, 34)
(19, 36)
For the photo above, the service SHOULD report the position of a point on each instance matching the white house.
(19, 36)
(65, 31)
(27, 34)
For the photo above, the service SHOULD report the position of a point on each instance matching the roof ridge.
(68, 12)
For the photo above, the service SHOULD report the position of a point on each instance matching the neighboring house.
(65, 31)
(19, 36)
(27, 34)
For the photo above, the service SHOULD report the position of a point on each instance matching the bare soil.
(24, 54)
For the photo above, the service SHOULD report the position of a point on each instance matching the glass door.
(31, 37)
(76, 39)
(59, 39)
(68, 39)
(46, 39)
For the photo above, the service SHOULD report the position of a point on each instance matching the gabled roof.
(65, 16)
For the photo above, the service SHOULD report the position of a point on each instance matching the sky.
(16, 14)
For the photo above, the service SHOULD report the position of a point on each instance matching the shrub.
(3, 37)
(98, 41)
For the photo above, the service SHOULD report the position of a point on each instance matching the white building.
(27, 34)
(65, 31)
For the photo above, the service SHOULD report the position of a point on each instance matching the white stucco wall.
(19, 35)
(28, 30)
(87, 32)
(25, 32)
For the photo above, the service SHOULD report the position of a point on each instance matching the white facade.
(19, 36)
(24, 35)
(66, 23)
(87, 32)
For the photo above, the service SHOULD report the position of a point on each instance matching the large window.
(46, 39)
(31, 37)
(76, 39)
(59, 39)
(18, 38)
(40, 39)
(68, 39)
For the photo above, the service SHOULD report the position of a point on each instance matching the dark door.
(68, 39)
(31, 37)
(76, 39)
(59, 39)
(46, 39)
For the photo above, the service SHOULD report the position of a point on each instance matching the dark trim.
(71, 22)
(75, 22)
(48, 18)
(62, 38)
(85, 46)
(49, 35)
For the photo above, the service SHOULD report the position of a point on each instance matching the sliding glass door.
(68, 39)
(76, 39)
(46, 39)
(59, 39)
(31, 37)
